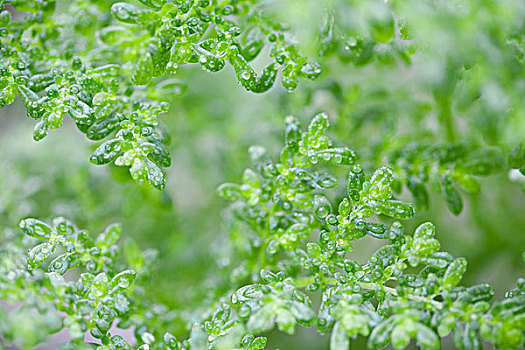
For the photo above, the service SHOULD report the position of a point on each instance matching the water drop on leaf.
(38, 255)
(36, 228)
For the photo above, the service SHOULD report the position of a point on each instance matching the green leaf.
(61, 263)
(229, 191)
(160, 155)
(119, 343)
(102, 128)
(64, 227)
(380, 335)
(250, 178)
(322, 206)
(338, 156)
(474, 294)
(380, 184)
(56, 279)
(110, 235)
(285, 321)
(318, 126)
(469, 183)
(38, 255)
(145, 170)
(452, 196)
(261, 321)
(419, 192)
(144, 69)
(99, 285)
(482, 164)
(438, 259)
(395, 209)
(345, 207)
(425, 247)
(446, 325)
(266, 79)
(425, 231)
(516, 157)
(454, 272)
(122, 281)
(302, 313)
(427, 338)
(125, 12)
(258, 343)
(400, 337)
(356, 179)
(40, 130)
(339, 339)
(156, 177)
(36, 228)
(107, 152)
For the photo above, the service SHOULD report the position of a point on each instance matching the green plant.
(41, 54)
(426, 98)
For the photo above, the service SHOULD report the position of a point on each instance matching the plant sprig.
(294, 244)
(57, 70)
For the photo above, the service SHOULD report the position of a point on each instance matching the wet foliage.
(350, 231)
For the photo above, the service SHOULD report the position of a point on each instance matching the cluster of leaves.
(168, 34)
(40, 64)
(359, 32)
(110, 66)
(441, 166)
(94, 67)
(408, 289)
(89, 300)
(93, 61)
(100, 291)
(439, 106)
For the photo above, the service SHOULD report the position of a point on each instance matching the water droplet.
(321, 206)
(22, 80)
(245, 75)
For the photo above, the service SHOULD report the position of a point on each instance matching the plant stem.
(445, 119)
(302, 283)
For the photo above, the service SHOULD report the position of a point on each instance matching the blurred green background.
(462, 51)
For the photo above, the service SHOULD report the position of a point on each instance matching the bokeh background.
(213, 122)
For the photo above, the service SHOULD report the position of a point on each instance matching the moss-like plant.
(425, 95)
